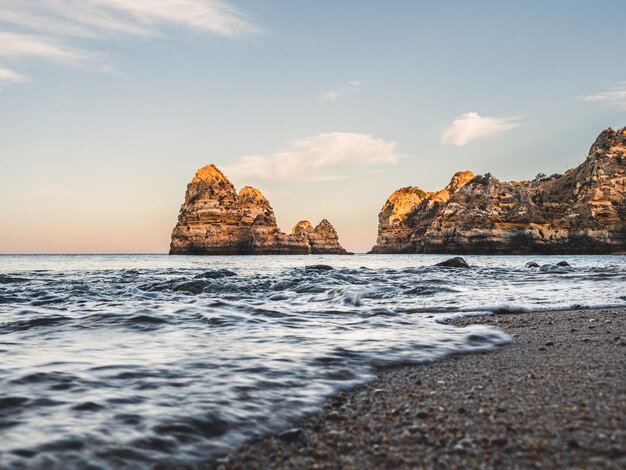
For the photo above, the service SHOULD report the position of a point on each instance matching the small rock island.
(215, 220)
(582, 211)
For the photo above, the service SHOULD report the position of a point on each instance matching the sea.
(126, 361)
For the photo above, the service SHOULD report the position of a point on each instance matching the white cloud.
(310, 158)
(64, 30)
(473, 126)
(14, 45)
(616, 96)
(351, 88)
(113, 17)
(9, 76)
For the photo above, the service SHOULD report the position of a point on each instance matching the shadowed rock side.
(580, 211)
(215, 220)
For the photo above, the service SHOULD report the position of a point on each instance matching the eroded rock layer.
(580, 211)
(215, 220)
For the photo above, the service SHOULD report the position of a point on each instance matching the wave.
(135, 361)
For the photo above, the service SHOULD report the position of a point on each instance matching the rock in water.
(580, 211)
(215, 220)
(215, 274)
(318, 267)
(194, 287)
(531, 264)
(456, 262)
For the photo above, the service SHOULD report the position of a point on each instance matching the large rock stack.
(215, 220)
(581, 211)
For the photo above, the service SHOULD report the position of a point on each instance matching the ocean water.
(124, 361)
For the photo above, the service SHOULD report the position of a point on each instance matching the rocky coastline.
(582, 211)
(216, 220)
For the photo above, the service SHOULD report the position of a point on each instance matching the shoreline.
(553, 397)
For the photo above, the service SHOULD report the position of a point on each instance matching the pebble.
(499, 441)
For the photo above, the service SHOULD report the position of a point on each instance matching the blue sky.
(107, 107)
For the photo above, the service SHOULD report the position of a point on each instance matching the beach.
(555, 397)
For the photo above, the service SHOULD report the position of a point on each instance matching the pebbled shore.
(553, 398)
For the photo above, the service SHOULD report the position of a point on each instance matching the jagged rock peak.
(610, 143)
(252, 196)
(402, 201)
(302, 228)
(209, 174)
(254, 206)
(324, 239)
(459, 180)
(209, 183)
(325, 226)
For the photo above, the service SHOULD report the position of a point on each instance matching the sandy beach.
(555, 397)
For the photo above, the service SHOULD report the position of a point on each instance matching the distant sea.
(121, 361)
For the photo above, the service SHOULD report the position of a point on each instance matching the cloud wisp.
(65, 30)
(616, 96)
(9, 76)
(351, 88)
(15, 46)
(472, 126)
(311, 158)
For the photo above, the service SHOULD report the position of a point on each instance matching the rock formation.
(580, 211)
(324, 239)
(215, 220)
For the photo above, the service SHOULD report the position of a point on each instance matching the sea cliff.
(216, 220)
(582, 211)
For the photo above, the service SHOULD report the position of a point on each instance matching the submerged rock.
(456, 262)
(318, 267)
(215, 274)
(580, 211)
(531, 264)
(216, 220)
(193, 287)
(563, 264)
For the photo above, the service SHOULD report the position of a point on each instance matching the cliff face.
(410, 210)
(215, 220)
(581, 211)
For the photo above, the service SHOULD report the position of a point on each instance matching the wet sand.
(555, 397)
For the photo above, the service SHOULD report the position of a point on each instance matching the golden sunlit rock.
(215, 220)
(581, 211)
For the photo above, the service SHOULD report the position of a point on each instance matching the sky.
(108, 107)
